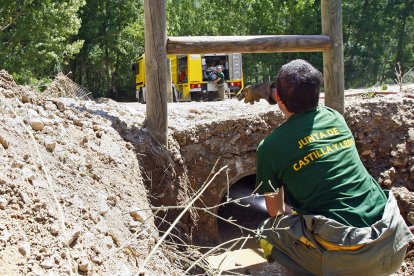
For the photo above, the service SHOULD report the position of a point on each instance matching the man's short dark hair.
(298, 84)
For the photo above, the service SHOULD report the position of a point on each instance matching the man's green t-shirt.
(313, 155)
(221, 76)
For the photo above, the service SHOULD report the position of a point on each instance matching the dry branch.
(142, 267)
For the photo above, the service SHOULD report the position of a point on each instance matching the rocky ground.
(72, 193)
(72, 198)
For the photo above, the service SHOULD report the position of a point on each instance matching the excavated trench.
(383, 128)
(215, 144)
(207, 137)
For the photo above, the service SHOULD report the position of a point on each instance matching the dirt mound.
(71, 192)
(11, 90)
(62, 86)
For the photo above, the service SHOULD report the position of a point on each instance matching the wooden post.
(333, 59)
(248, 44)
(169, 81)
(155, 68)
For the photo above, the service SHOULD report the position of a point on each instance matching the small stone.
(5, 237)
(111, 200)
(24, 197)
(65, 270)
(195, 111)
(50, 106)
(77, 122)
(36, 207)
(24, 248)
(27, 99)
(37, 124)
(4, 142)
(17, 164)
(28, 174)
(46, 264)
(3, 203)
(138, 215)
(108, 242)
(95, 249)
(95, 218)
(387, 182)
(410, 218)
(366, 152)
(61, 106)
(85, 265)
(50, 144)
(48, 129)
(54, 229)
(48, 122)
(104, 209)
(84, 140)
(234, 139)
(51, 273)
(95, 176)
(134, 225)
(73, 237)
(410, 137)
(97, 260)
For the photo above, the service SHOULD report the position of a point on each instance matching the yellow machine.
(192, 75)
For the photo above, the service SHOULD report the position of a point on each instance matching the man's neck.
(288, 114)
(284, 110)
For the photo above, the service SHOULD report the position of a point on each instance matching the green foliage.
(114, 37)
(377, 35)
(98, 40)
(36, 36)
(248, 17)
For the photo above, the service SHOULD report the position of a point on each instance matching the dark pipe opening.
(249, 217)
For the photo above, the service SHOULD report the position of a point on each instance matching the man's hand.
(253, 93)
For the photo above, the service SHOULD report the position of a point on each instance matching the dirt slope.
(61, 165)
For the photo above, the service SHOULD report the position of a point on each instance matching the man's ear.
(274, 95)
(278, 97)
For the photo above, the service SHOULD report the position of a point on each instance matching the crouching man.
(343, 222)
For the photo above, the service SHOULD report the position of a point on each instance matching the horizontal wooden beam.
(247, 44)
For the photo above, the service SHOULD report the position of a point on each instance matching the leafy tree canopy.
(36, 37)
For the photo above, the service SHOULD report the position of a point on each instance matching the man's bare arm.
(275, 203)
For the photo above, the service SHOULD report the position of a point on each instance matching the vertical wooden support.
(169, 81)
(155, 68)
(333, 59)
